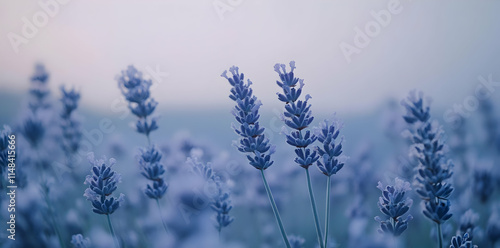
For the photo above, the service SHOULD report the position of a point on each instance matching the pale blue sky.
(439, 47)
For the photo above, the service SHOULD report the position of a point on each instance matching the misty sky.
(438, 47)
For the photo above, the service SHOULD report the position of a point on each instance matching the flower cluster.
(493, 227)
(297, 115)
(462, 242)
(434, 169)
(330, 161)
(33, 130)
(483, 184)
(296, 241)
(136, 90)
(70, 126)
(253, 141)
(39, 91)
(101, 184)
(221, 204)
(468, 223)
(394, 205)
(78, 241)
(220, 201)
(152, 169)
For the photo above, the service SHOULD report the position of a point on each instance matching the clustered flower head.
(101, 184)
(297, 115)
(468, 223)
(135, 88)
(462, 241)
(153, 170)
(220, 199)
(493, 226)
(70, 126)
(33, 130)
(483, 184)
(39, 91)
(296, 241)
(78, 241)
(252, 140)
(330, 160)
(394, 204)
(434, 169)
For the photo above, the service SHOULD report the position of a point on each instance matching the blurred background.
(358, 60)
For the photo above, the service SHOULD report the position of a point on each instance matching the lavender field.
(322, 124)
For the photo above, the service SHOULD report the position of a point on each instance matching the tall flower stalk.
(135, 88)
(434, 169)
(70, 126)
(253, 142)
(298, 117)
(101, 184)
(220, 201)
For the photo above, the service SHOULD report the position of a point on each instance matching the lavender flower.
(220, 201)
(70, 126)
(253, 141)
(153, 170)
(297, 115)
(462, 242)
(434, 170)
(483, 184)
(468, 223)
(136, 90)
(33, 130)
(221, 204)
(394, 205)
(101, 184)
(78, 241)
(330, 161)
(493, 227)
(297, 241)
(39, 90)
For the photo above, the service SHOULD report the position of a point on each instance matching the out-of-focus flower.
(78, 241)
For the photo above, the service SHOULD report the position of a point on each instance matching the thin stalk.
(54, 222)
(327, 216)
(45, 193)
(440, 236)
(275, 211)
(161, 216)
(115, 240)
(315, 210)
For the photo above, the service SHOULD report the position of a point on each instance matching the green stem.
(275, 210)
(314, 209)
(52, 216)
(440, 236)
(161, 216)
(327, 218)
(115, 240)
